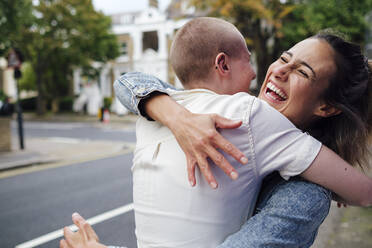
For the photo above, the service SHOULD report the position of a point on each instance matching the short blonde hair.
(197, 44)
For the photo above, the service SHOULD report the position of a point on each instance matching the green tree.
(270, 26)
(15, 15)
(28, 80)
(345, 16)
(65, 34)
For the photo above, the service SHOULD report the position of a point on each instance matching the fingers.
(200, 141)
(84, 227)
(80, 222)
(206, 171)
(63, 244)
(226, 146)
(68, 236)
(90, 232)
(191, 170)
(222, 122)
(221, 162)
(76, 217)
(205, 148)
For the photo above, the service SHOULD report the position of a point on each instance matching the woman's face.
(295, 82)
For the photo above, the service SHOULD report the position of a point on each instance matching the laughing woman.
(323, 86)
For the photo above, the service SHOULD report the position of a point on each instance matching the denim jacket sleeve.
(133, 87)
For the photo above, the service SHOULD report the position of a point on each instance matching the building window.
(150, 40)
(124, 48)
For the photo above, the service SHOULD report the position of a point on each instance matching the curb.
(25, 163)
(130, 118)
(128, 148)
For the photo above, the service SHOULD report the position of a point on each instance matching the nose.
(282, 72)
(252, 71)
(253, 74)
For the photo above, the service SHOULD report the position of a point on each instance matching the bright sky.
(118, 6)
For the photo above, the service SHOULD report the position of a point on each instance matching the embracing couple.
(305, 134)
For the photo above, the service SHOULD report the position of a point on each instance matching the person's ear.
(222, 63)
(325, 110)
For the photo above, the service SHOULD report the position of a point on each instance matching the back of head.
(197, 44)
(349, 91)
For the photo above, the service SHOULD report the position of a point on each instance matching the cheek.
(272, 67)
(247, 75)
(268, 72)
(299, 92)
(300, 88)
(303, 102)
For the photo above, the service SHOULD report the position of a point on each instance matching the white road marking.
(59, 233)
(64, 140)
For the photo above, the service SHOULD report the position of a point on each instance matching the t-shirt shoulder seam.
(247, 121)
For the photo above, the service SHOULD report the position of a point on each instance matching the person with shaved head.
(298, 93)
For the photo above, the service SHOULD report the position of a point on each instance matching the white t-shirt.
(171, 213)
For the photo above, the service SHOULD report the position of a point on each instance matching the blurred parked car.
(6, 108)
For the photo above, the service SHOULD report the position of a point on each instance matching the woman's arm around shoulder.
(133, 88)
(332, 172)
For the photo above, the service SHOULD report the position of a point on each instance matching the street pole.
(19, 113)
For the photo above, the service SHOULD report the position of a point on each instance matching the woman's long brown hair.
(349, 90)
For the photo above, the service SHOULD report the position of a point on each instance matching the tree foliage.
(345, 16)
(63, 34)
(270, 26)
(15, 15)
(28, 80)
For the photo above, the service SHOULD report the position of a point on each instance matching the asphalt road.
(35, 204)
(38, 203)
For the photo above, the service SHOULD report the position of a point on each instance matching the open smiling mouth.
(275, 93)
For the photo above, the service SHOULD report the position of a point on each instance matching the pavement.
(39, 151)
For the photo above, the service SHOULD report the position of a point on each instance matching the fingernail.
(76, 215)
(192, 184)
(234, 175)
(214, 185)
(244, 160)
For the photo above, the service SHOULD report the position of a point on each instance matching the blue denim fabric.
(133, 87)
(288, 213)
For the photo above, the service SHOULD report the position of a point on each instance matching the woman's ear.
(222, 63)
(326, 110)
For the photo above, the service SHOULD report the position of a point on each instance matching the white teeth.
(276, 90)
(269, 95)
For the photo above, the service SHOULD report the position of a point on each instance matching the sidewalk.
(73, 117)
(65, 150)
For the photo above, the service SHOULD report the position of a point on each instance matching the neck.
(212, 82)
(203, 84)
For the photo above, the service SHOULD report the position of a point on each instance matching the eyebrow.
(302, 63)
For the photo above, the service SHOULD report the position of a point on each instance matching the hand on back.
(198, 137)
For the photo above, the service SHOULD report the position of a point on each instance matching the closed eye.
(303, 73)
(283, 59)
